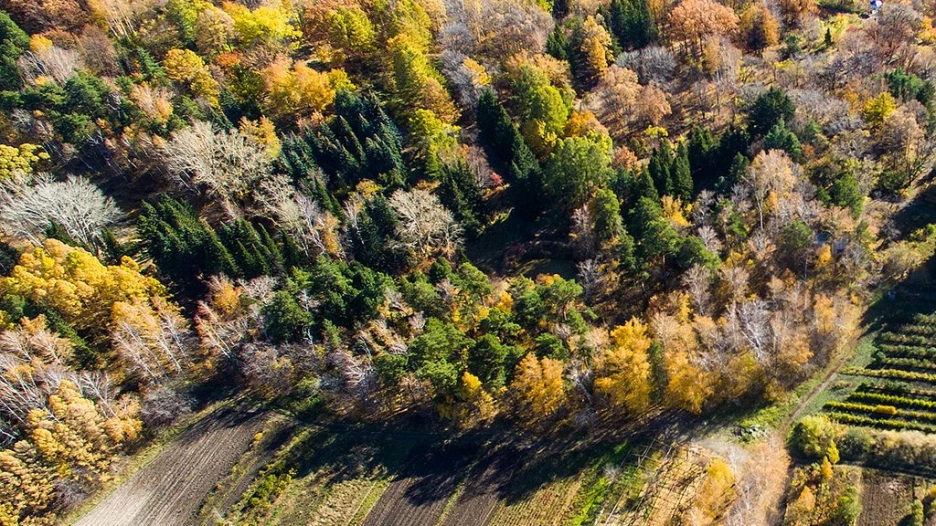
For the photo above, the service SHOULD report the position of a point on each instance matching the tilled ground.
(420, 491)
(170, 489)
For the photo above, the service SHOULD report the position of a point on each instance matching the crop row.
(882, 410)
(913, 351)
(909, 339)
(896, 388)
(894, 400)
(900, 425)
(922, 329)
(926, 319)
(894, 374)
(907, 363)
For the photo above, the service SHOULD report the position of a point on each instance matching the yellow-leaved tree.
(77, 285)
(296, 90)
(115, 302)
(623, 370)
(474, 405)
(188, 69)
(538, 387)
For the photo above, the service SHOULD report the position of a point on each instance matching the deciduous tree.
(622, 372)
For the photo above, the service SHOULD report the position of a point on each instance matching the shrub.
(855, 444)
(812, 436)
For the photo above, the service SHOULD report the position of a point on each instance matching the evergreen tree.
(461, 194)
(780, 138)
(255, 255)
(768, 110)
(607, 214)
(739, 166)
(557, 45)
(643, 186)
(371, 243)
(735, 140)
(626, 251)
(503, 139)
(284, 319)
(632, 24)
(55, 230)
(846, 192)
(702, 156)
(360, 141)
(560, 9)
(681, 173)
(656, 234)
(13, 43)
(660, 167)
(9, 256)
(183, 246)
(576, 166)
(509, 152)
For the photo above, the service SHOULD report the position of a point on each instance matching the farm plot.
(481, 494)
(420, 491)
(899, 391)
(671, 479)
(338, 476)
(885, 498)
(548, 505)
(169, 490)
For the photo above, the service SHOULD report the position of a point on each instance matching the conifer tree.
(681, 173)
(179, 241)
(632, 24)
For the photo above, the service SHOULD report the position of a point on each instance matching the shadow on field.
(436, 470)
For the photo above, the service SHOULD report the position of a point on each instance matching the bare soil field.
(229, 489)
(885, 498)
(421, 489)
(482, 491)
(169, 490)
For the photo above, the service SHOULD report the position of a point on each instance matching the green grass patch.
(603, 480)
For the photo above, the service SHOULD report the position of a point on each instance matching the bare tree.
(315, 230)
(754, 323)
(467, 78)
(224, 163)
(162, 406)
(49, 62)
(425, 226)
(76, 204)
(583, 230)
(267, 370)
(771, 172)
(615, 97)
(155, 341)
(590, 276)
(698, 282)
(652, 63)
(494, 29)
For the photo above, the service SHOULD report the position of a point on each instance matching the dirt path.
(839, 361)
(169, 490)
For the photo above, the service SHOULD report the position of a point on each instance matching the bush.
(886, 410)
(855, 444)
(812, 436)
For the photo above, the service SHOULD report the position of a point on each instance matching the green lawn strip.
(376, 490)
(597, 486)
(772, 415)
